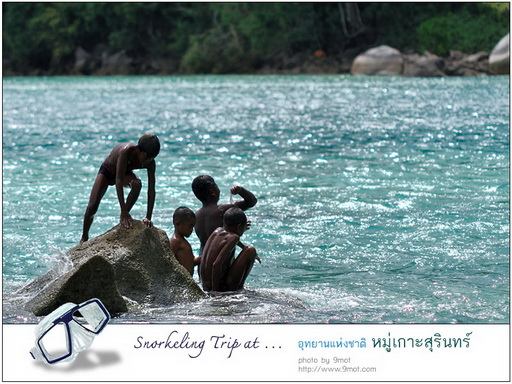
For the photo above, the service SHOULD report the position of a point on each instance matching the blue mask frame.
(93, 312)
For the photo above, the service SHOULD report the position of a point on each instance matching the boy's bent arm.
(249, 200)
(151, 192)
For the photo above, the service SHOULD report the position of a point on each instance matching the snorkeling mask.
(68, 330)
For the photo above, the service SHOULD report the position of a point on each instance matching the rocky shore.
(381, 60)
(385, 60)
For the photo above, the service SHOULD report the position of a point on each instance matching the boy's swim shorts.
(111, 176)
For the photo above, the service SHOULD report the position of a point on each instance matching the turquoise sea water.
(380, 199)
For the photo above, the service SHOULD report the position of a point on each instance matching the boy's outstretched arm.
(249, 200)
(151, 193)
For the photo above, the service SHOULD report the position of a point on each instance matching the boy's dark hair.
(182, 213)
(201, 186)
(234, 216)
(150, 144)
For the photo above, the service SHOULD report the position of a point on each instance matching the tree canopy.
(239, 37)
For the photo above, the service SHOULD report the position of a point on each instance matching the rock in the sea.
(499, 59)
(138, 261)
(95, 278)
(382, 60)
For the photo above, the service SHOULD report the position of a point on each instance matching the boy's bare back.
(208, 219)
(217, 257)
(126, 152)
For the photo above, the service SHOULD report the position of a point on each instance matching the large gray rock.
(382, 60)
(136, 262)
(145, 267)
(499, 59)
(95, 278)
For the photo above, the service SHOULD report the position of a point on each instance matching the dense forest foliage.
(239, 37)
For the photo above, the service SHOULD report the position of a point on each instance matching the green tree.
(239, 37)
(476, 27)
(20, 40)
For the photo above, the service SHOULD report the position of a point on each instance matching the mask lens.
(91, 316)
(55, 343)
(68, 330)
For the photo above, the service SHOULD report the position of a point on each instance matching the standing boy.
(220, 270)
(209, 217)
(117, 169)
(184, 221)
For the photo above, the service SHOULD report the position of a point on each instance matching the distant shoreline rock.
(499, 60)
(381, 60)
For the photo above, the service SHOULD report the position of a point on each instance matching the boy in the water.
(209, 217)
(220, 270)
(184, 221)
(117, 169)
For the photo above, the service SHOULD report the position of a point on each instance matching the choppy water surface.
(380, 199)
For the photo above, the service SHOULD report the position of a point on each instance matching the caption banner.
(259, 352)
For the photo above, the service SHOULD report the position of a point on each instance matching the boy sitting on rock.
(184, 221)
(220, 270)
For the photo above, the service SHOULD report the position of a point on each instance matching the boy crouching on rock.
(117, 169)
